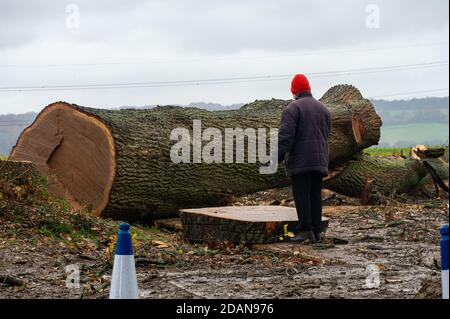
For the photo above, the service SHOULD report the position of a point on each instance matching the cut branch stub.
(358, 129)
(422, 152)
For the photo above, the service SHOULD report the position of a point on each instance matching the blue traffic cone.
(123, 281)
(444, 260)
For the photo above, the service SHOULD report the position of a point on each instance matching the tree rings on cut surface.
(358, 129)
(75, 148)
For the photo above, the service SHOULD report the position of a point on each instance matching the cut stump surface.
(240, 224)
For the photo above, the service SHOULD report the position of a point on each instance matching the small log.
(240, 224)
(170, 224)
(436, 178)
(8, 280)
(422, 152)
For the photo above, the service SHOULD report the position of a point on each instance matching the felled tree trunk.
(365, 176)
(118, 162)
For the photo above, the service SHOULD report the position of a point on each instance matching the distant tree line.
(397, 112)
(426, 110)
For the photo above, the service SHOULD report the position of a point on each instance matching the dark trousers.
(307, 191)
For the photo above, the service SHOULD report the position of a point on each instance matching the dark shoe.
(318, 237)
(303, 236)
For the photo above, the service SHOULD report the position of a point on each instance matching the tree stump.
(240, 224)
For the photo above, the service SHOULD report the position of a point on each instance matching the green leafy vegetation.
(28, 211)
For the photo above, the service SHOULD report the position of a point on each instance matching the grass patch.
(396, 151)
(28, 210)
(54, 228)
(390, 151)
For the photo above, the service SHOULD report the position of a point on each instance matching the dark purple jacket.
(303, 136)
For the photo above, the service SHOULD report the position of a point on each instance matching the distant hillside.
(427, 110)
(416, 121)
(11, 125)
(405, 122)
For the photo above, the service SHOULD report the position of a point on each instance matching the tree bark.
(241, 224)
(364, 176)
(118, 161)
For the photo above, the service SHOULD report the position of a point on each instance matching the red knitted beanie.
(300, 84)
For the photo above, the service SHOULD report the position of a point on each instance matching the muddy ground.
(387, 251)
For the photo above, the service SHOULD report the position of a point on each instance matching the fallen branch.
(436, 178)
(367, 177)
(8, 280)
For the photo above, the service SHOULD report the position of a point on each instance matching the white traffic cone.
(123, 281)
(444, 261)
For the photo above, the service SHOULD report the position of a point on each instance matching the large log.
(118, 161)
(365, 175)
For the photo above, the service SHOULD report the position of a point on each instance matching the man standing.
(303, 145)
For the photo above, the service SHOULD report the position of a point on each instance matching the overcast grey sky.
(71, 43)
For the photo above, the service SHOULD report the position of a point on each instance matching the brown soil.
(400, 239)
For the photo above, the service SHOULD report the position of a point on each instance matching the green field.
(413, 134)
(396, 151)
